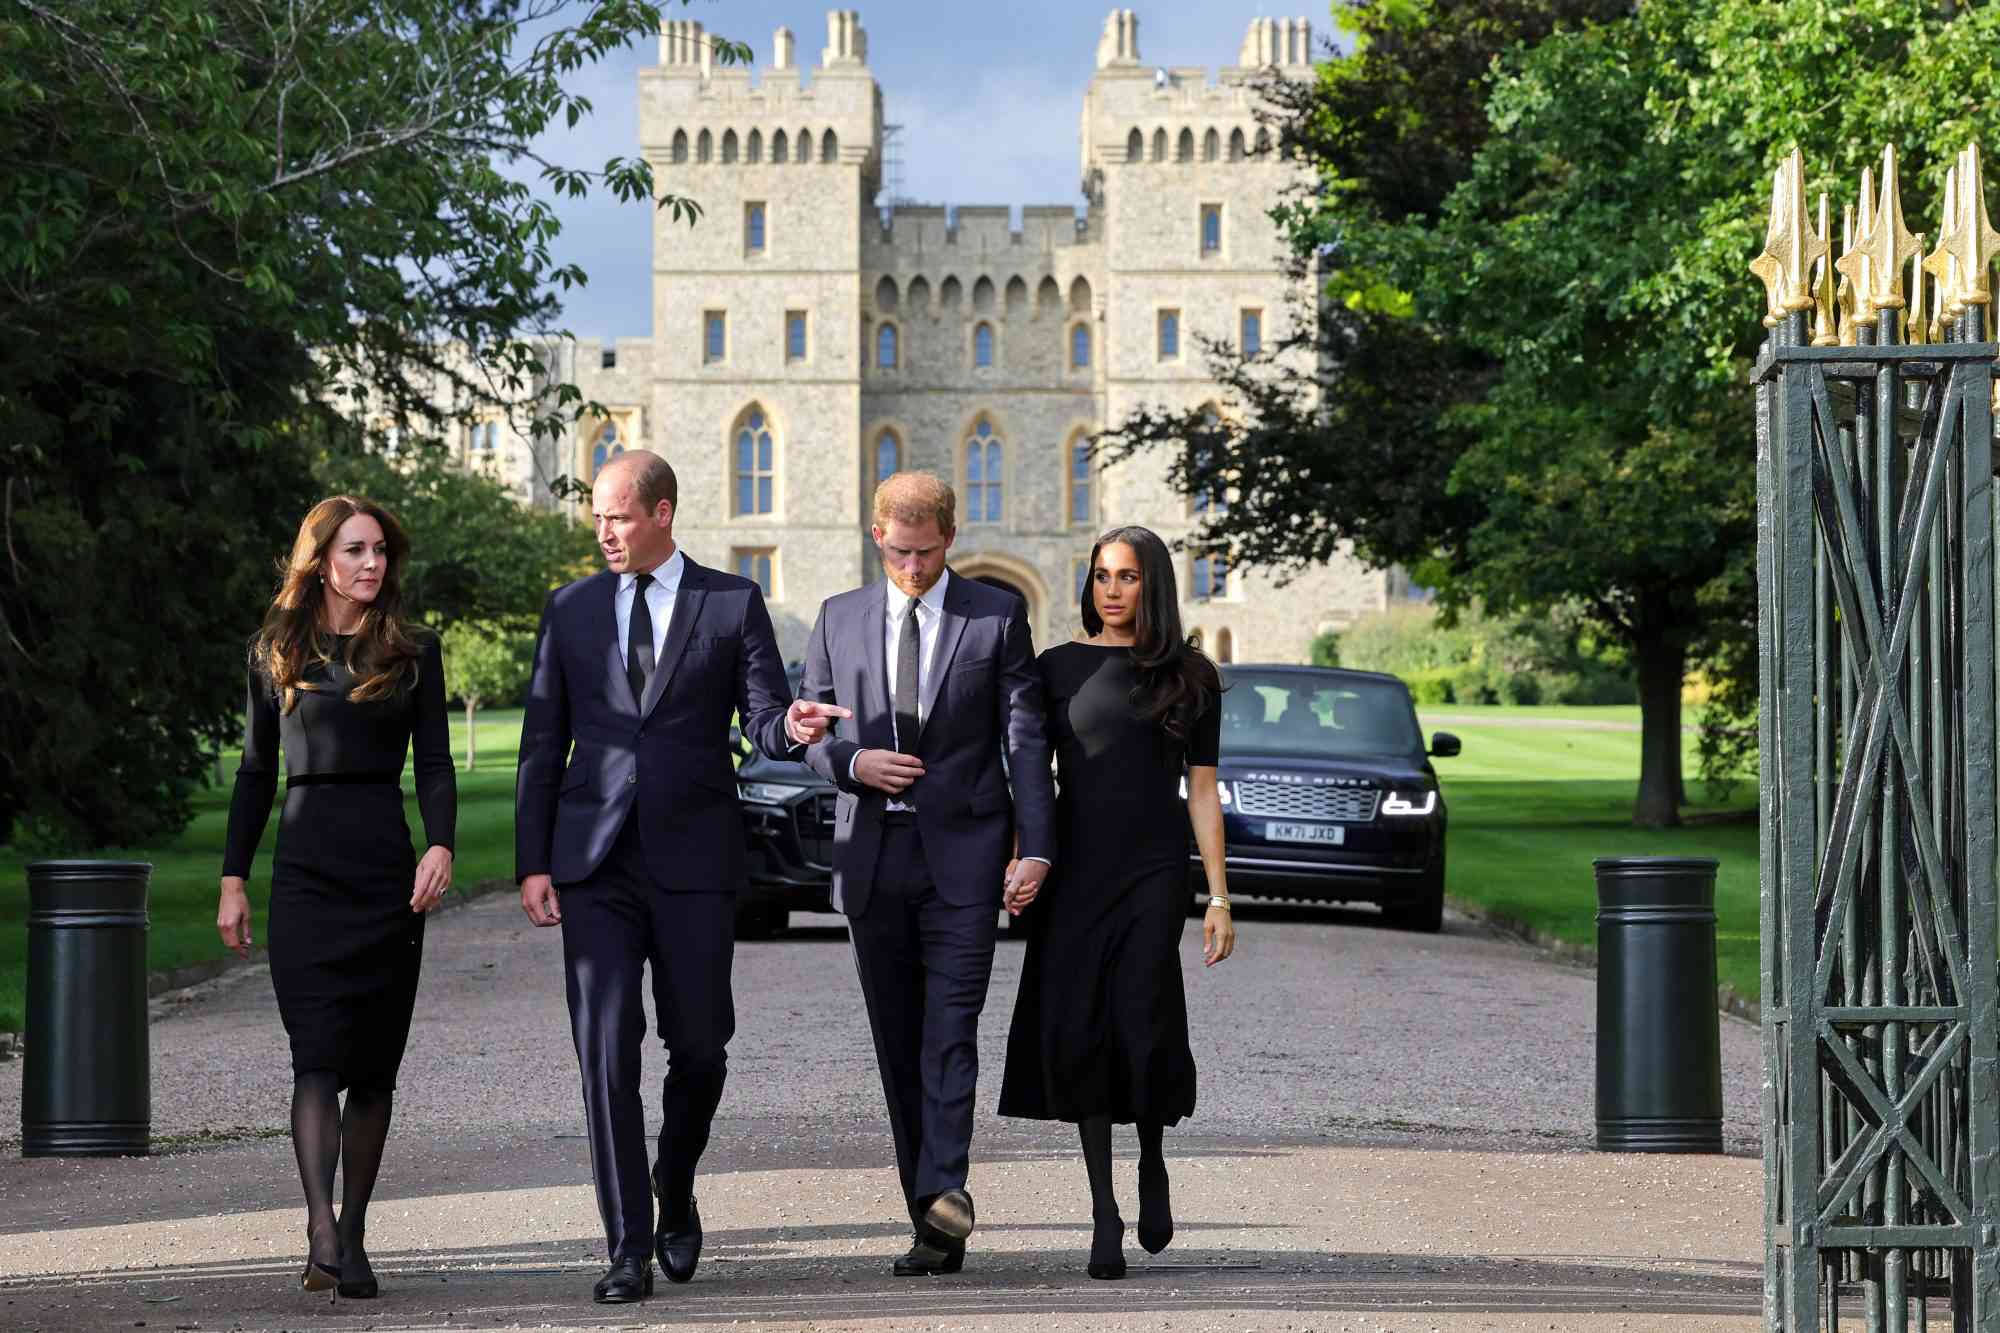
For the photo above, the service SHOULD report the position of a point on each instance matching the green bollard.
(86, 1077)
(1659, 1038)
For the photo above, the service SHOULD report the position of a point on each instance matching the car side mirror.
(1444, 745)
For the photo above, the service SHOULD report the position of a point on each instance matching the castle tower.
(756, 359)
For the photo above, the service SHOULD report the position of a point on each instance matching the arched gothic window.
(1135, 147)
(1211, 146)
(729, 145)
(1212, 499)
(680, 145)
(1159, 145)
(1081, 482)
(804, 150)
(781, 149)
(982, 345)
(755, 463)
(1184, 150)
(704, 147)
(1236, 145)
(985, 474)
(885, 347)
(609, 446)
(1079, 347)
(829, 148)
(753, 150)
(888, 456)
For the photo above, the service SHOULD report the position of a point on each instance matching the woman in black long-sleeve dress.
(346, 688)
(1100, 1031)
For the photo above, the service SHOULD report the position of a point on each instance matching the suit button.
(632, 779)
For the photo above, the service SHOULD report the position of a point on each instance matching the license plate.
(1331, 834)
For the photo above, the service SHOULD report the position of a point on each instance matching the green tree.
(483, 665)
(216, 217)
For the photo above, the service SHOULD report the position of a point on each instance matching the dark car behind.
(1328, 791)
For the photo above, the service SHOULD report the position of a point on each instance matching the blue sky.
(990, 96)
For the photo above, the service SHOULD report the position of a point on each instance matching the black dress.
(345, 946)
(1100, 1024)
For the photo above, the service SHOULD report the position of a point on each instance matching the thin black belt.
(383, 779)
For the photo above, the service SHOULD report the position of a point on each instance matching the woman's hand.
(1007, 890)
(232, 916)
(433, 878)
(1218, 935)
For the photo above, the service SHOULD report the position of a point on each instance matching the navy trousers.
(614, 924)
(924, 966)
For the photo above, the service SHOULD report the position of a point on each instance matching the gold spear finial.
(1974, 242)
(1941, 264)
(1826, 324)
(1885, 240)
(1790, 245)
(1854, 262)
(1917, 329)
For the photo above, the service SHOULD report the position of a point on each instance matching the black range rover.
(788, 818)
(1328, 791)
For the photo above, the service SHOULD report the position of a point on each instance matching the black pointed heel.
(1107, 1247)
(1156, 1210)
(321, 1277)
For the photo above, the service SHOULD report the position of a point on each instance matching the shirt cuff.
(854, 759)
(1043, 859)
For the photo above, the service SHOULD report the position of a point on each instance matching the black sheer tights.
(324, 1135)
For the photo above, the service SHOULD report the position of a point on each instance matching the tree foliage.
(215, 217)
(484, 666)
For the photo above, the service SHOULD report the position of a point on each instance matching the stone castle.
(807, 342)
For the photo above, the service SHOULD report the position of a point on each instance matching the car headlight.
(1411, 802)
(767, 793)
(1221, 789)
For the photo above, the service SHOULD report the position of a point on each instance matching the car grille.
(813, 818)
(1284, 800)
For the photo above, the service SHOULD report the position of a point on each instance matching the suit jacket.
(590, 753)
(981, 697)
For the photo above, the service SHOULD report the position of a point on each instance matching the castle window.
(888, 456)
(1079, 347)
(756, 564)
(1212, 498)
(680, 145)
(804, 152)
(1135, 147)
(1080, 575)
(753, 228)
(1225, 646)
(1211, 146)
(1236, 145)
(1211, 229)
(704, 147)
(1211, 578)
(756, 458)
(885, 347)
(608, 359)
(780, 150)
(1252, 336)
(1170, 335)
(1159, 145)
(829, 148)
(795, 335)
(1080, 481)
(985, 472)
(1184, 150)
(1263, 143)
(982, 346)
(608, 447)
(714, 337)
(753, 149)
(729, 145)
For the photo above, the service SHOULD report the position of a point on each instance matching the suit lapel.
(951, 625)
(602, 608)
(687, 608)
(874, 656)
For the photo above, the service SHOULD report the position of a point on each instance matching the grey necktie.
(639, 641)
(906, 681)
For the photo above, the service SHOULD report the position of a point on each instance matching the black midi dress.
(345, 947)
(1100, 1023)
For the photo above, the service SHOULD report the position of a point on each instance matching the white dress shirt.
(660, 596)
(930, 616)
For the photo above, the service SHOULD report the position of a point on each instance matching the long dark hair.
(1177, 682)
(383, 652)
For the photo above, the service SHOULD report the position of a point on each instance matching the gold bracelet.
(1223, 903)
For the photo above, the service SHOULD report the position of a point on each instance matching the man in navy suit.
(628, 836)
(939, 674)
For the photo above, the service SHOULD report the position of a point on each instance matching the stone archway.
(1012, 576)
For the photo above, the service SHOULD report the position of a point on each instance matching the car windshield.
(1314, 716)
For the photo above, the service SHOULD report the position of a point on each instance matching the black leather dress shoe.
(950, 1215)
(678, 1247)
(932, 1255)
(627, 1280)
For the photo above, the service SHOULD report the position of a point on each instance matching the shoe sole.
(950, 1216)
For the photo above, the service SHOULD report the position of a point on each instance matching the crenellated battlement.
(916, 233)
(687, 95)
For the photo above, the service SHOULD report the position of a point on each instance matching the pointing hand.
(807, 722)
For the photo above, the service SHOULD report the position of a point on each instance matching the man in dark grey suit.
(629, 837)
(939, 674)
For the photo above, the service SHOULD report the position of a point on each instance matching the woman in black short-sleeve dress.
(1100, 1030)
(345, 688)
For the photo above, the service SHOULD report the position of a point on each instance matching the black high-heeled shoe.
(321, 1277)
(357, 1275)
(1107, 1246)
(1156, 1210)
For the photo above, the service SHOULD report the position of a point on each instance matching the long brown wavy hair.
(1177, 683)
(383, 653)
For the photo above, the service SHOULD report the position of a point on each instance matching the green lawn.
(185, 872)
(1531, 806)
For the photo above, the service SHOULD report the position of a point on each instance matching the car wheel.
(1423, 913)
(759, 923)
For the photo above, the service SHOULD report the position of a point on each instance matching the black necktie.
(639, 641)
(906, 681)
